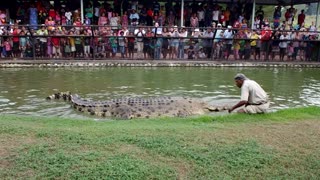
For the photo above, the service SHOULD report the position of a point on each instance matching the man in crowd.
(253, 98)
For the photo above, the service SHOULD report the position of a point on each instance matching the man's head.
(239, 79)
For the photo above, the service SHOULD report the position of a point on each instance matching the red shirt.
(301, 18)
(52, 13)
(55, 41)
(265, 35)
(15, 34)
(150, 13)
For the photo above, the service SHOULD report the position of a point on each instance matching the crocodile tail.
(66, 96)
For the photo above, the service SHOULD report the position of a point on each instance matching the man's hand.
(239, 104)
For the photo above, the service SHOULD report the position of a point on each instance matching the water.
(23, 91)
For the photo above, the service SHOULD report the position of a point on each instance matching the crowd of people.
(151, 32)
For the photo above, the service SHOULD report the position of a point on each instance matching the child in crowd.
(79, 45)
(87, 43)
(38, 48)
(290, 51)
(22, 43)
(190, 51)
(114, 44)
(28, 52)
(236, 47)
(219, 49)
(55, 45)
(72, 44)
(99, 50)
(7, 47)
(122, 42)
(131, 40)
(67, 49)
(247, 50)
(201, 53)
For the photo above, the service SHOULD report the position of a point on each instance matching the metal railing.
(99, 42)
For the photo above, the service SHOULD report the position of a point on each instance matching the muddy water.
(23, 91)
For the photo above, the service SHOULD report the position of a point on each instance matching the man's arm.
(239, 104)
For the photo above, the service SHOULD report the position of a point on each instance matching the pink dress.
(102, 20)
(124, 21)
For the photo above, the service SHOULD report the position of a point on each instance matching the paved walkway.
(154, 63)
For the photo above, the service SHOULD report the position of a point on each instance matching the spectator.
(122, 42)
(124, 19)
(42, 40)
(156, 7)
(283, 45)
(87, 43)
(194, 21)
(89, 12)
(131, 40)
(301, 18)
(260, 14)
(254, 38)
(7, 48)
(55, 40)
(200, 15)
(228, 35)
(290, 51)
(68, 15)
(87, 20)
(171, 19)
(183, 34)
(134, 18)
(174, 34)
(276, 17)
(22, 43)
(50, 23)
(15, 41)
(165, 42)
(114, 22)
(139, 33)
(114, 44)
(215, 14)
(265, 37)
(143, 16)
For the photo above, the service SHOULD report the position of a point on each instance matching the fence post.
(154, 39)
(93, 45)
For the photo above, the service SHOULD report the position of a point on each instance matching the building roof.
(285, 2)
(270, 2)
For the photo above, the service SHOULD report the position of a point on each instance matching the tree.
(312, 9)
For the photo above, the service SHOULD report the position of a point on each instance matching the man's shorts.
(256, 109)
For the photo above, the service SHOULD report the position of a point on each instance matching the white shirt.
(283, 44)
(215, 15)
(96, 11)
(228, 35)
(139, 34)
(218, 35)
(200, 15)
(68, 15)
(252, 92)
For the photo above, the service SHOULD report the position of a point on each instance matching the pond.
(23, 90)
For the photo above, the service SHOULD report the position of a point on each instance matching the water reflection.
(22, 91)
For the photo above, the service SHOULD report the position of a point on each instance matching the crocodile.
(137, 107)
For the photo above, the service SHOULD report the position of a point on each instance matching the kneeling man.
(253, 98)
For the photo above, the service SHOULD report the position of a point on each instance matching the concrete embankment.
(151, 63)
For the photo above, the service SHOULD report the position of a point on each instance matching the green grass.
(280, 145)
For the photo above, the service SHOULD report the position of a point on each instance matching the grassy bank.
(284, 144)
